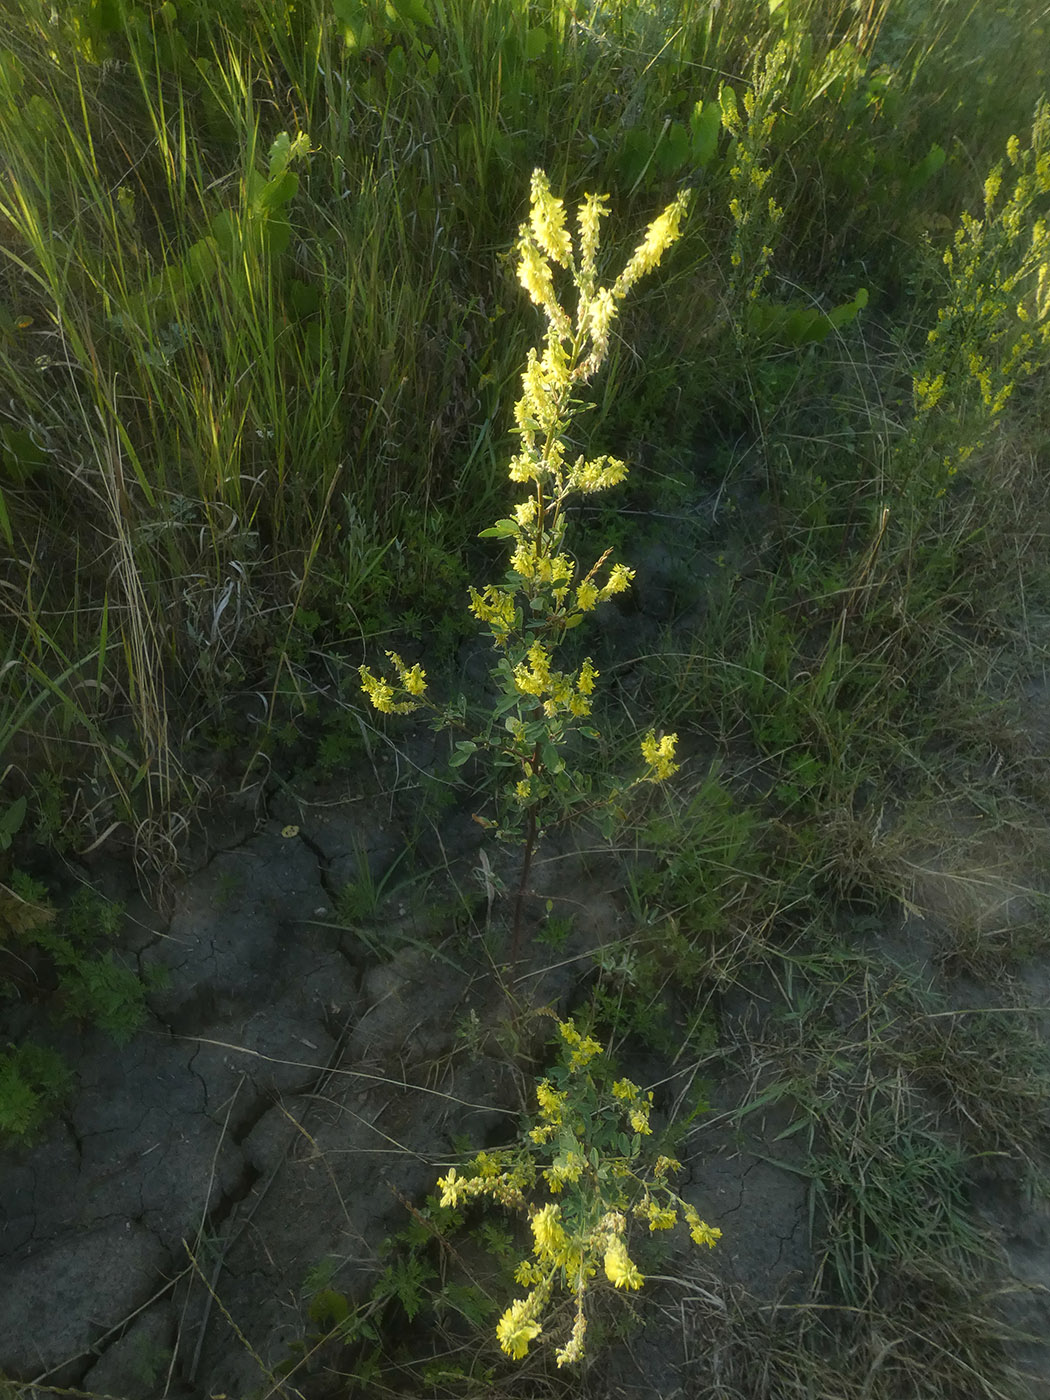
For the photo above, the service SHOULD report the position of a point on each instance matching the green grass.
(259, 342)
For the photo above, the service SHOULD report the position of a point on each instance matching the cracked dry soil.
(294, 1092)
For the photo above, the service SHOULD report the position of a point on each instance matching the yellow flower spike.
(700, 1231)
(518, 1327)
(534, 274)
(592, 210)
(523, 560)
(528, 1274)
(620, 1269)
(659, 755)
(413, 679)
(586, 596)
(451, 1187)
(550, 1101)
(639, 1118)
(661, 1218)
(584, 1048)
(620, 577)
(573, 1349)
(664, 230)
(597, 315)
(549, 1235)
(547, 221)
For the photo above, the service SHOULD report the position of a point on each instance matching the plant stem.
(519, 897)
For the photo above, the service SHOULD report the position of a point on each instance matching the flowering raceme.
(594, 1173)
(547, 593)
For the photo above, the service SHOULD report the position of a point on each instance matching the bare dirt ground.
(301, 1083)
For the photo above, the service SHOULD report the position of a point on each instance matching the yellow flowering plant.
(993, 328)
(546, 593)
(582, 1173)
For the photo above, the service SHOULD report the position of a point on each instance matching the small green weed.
(59, 959)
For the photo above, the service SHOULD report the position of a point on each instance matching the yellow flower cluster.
(701, 1232)
(659, 756)
(412, 681)
(661, 233)
(496, 608)
(506, 1186)
(558, 692)
(582, 1048)
(572, 1242)
(597, 475)
(620, 1268)
(545, 239)
(638, 1106)
(518, 1326)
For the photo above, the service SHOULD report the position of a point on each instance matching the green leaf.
(202, 257)
(278, 192)
(304, 297)
(328, 1308)
(411, 11)
(277, 234)
(352, 17)
(12, 819)
(704, 126)
(464, 749)
(502, 530)
(279, 154)
(926, 168)
(535, 44)
(226, 233)
(20, 456)
(843, 315)
(674, 149)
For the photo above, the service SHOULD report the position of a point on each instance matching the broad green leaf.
(277, 234)
(305, 298)
(535, 44)
(673, 151)
(926, 168)
(202, 257)
(19, 454)
(843, 315)
(12, 819)
(226, 233)
(284, 150)
(278, 192)
(704, 126)
(503, 529)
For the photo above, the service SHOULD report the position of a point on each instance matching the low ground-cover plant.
(59, 958)
(582, 1173)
